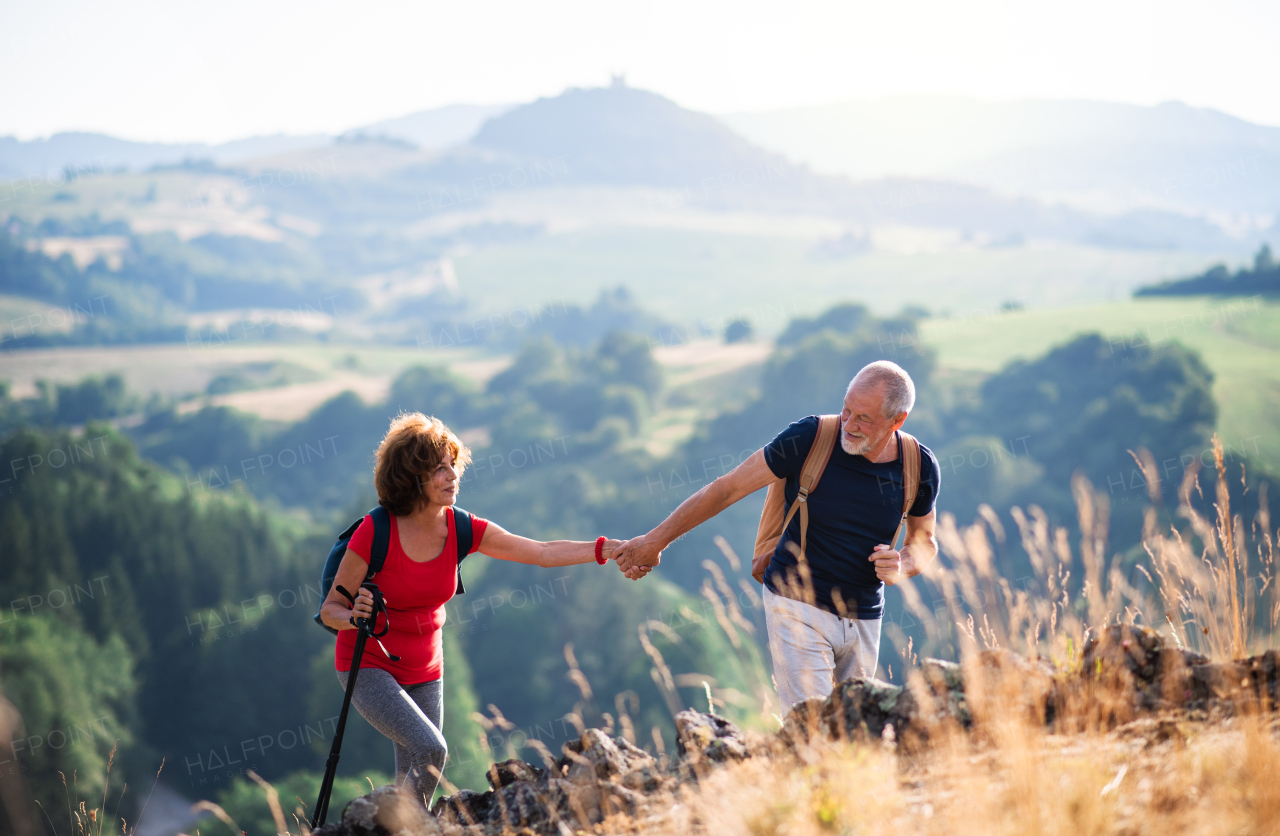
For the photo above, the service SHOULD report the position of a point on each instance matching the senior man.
(824, 617)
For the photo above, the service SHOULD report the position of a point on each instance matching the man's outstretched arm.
(636, 556)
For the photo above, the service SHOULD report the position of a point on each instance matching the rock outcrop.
(706, 737)
(597, 776)
(386, 810)
(1138, 662)
(1123, 672)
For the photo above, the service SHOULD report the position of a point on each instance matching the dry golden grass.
(1222, 778)
(1095, 769)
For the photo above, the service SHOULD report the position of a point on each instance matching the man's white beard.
(854, 447)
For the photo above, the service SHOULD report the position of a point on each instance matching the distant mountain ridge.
(439, 127)
(1102, 157)
(1097, 155)
(624, 135)
(86, 152)
(619, 136)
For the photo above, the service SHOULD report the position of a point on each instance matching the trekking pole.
(364, 629)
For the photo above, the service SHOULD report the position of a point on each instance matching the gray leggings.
(410, 717)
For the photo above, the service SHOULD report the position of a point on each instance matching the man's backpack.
(775, 517)
(378, 550)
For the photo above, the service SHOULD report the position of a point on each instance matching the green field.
(701, 277)
(182, 372)
(1238, 338)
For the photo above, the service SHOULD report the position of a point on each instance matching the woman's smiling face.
(441, 485)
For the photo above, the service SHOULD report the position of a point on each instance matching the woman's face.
(441, 485)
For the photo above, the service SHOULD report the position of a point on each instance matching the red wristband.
(600, 550)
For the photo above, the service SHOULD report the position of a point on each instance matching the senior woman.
(418, 466)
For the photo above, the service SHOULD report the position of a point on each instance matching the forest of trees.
(1262, 280)
(161, 277)
(159, 583)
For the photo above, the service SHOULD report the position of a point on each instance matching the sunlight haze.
(214, 72)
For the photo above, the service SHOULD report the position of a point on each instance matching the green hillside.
(698, 276)
(1238, 338)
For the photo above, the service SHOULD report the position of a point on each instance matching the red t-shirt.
(416, 594)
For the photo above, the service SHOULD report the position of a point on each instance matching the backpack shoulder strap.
(775, 516)
(381, 540)
(814, 464)
(910, 477)
(824, 444)
(464, 536)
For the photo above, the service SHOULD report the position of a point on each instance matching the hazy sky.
(217, 71)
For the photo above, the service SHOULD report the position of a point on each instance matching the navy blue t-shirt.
(856, 506)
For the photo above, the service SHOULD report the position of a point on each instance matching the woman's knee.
(430, 748)
(439, 750)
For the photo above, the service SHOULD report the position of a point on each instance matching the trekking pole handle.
(378, 606)
(369, 625)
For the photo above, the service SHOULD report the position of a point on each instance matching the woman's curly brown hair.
(408, 455)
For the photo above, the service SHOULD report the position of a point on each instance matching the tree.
(737, 331)
(76, 698)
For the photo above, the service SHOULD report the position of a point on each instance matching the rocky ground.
(1127, 679)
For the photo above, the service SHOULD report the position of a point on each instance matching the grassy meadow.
(701, 277)
(1239, 340)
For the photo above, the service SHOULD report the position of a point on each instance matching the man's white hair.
(899, 389)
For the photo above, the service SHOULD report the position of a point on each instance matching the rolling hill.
(565, 196)
(1096, 155)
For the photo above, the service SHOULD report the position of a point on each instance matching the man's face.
(863, 424)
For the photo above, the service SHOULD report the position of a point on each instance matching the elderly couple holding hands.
(823, 569)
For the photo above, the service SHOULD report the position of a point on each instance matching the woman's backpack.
(775, 517)
(378, 550)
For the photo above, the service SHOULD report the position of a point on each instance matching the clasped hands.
(638, 556)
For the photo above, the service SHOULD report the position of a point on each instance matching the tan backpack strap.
(910, 480)
(773, 523)
(824, 444)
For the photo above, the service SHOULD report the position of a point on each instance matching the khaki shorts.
(813, 649)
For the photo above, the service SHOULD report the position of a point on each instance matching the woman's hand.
(337, 610)
(364, 604)
(610, 546)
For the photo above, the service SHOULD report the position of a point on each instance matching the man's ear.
(899, 421)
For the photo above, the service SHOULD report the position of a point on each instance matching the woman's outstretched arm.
(499, 543)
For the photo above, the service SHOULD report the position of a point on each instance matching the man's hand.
(637, 557)
(888, 562)
(893, 565)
